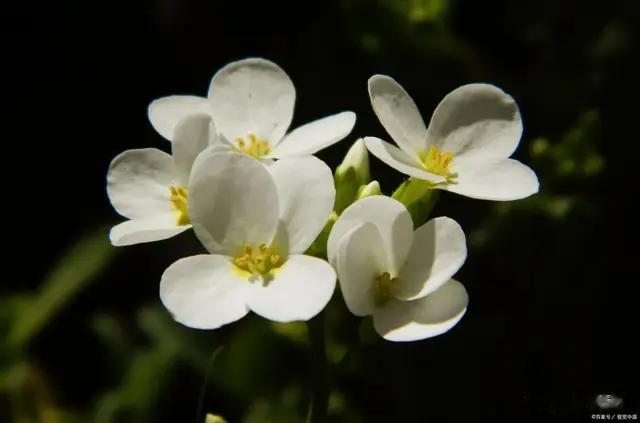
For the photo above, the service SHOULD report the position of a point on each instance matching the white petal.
(359, 262)
(191, 136)
(392, 220)
(138, 182)
(398, 114)
(252, 95)
(314, 136)
(232, 201)
(148, 229)
(424, 318)
(165, 113)
(299, 290)
(399, 160)
(502, 180)
(203, 292)
(476, 120)
(439, 249)
(305, 198)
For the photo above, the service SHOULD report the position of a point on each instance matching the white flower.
(466, 148)
(251, 102)
(149, 186)
(256, 222)
(400, 277)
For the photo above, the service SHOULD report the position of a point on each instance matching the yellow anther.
(437, 162)
(178, 198)
(258, 261)
(384, 286)
(253, 146)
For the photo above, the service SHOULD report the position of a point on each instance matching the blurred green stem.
(319, 371)
(203, 389)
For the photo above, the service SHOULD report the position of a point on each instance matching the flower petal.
(392, 220)
(305, 198)
(148, 229)
(476, 120)
(165, 113)
(398, 114)
(426, 317)
(232, 200)
(399, 160)
(203, 292)
(191, 136)
(138, 182)
(502, 180)
(252, 95)
(314, 136)
(439, 249)
(359, 262)
(299, 290)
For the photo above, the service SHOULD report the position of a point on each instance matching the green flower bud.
(372, 188)
(214, 418)
(351, 174)
(357, 158)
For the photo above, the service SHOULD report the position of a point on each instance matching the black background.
(553, 318)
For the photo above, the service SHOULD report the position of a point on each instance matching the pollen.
(258, 260)
(384, 286)
(253, 146)
(178, 199)
(438, 162)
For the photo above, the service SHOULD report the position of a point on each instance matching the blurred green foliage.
(25, 315)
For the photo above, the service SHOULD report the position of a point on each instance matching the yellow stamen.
(384, 286)
(253, 146)
(437, 162)
(258, 261)
(178, 198)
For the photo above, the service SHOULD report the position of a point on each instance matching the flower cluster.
(279, 228)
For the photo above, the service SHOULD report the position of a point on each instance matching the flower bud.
(351, 174)
(214, 418)
(372, 188)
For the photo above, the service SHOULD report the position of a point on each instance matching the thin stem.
(200, 414)
(319, 371)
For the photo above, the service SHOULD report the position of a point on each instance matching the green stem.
(419, 197)
(200, 414)
(411, 190)
(319, 371)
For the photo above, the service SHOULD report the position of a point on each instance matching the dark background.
(553, 318)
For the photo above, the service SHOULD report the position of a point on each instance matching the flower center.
(258, 260)
(178, 198)
(384, 287)
(438, 162)
(253, 146)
